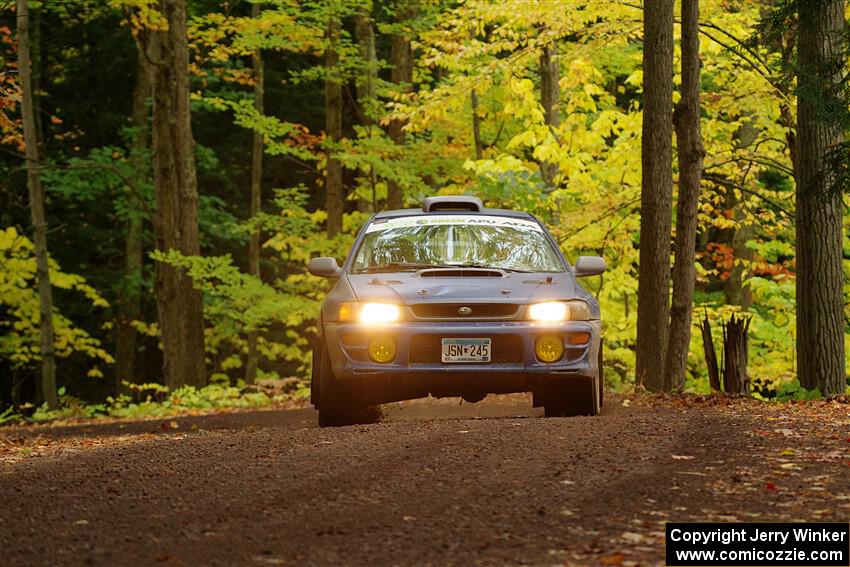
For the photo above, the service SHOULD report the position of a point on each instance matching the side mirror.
(589, 266)
(324, 267)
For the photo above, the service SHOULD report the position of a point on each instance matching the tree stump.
(710, 354)
(734, 354)
(735, 380)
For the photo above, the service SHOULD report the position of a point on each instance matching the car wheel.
(554, 405)
(600, 373)
(332, 406)
(580, 396)
(315, 376)
(337, 406)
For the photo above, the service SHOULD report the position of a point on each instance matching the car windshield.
(438, 241)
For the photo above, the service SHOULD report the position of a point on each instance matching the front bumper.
(417, 374)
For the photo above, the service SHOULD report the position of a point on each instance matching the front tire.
(579, 396)
(600, 373)
(335, 400)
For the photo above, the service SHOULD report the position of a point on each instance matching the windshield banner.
(466, 220)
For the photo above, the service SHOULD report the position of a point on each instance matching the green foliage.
(9, 415)
(19, 328)
(792, 391)
(282, 313)
(152, 400)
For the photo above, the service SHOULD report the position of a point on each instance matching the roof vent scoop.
(452, 203)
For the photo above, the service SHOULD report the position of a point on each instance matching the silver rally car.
(455, 299)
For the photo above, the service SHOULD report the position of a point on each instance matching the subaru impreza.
(455, 299)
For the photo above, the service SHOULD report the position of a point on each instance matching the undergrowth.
(152, 400)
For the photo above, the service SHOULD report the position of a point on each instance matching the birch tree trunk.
(691, 152)
(36, 196)
(820, 302)
(179, 304)
(656, 194)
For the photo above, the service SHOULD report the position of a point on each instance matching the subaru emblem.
(465, 311)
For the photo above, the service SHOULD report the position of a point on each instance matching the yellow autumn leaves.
(19, 330)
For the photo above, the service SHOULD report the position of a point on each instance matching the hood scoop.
(461, 273)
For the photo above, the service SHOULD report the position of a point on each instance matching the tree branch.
(732, 185)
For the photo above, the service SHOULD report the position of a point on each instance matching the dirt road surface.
(435, 483)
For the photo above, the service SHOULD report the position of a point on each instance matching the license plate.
(466, 350)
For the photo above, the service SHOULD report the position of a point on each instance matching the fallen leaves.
(616, 559)
(16, 448)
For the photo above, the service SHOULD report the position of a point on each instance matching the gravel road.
(435, 483)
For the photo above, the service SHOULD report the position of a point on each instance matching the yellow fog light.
(382, 349)
(549, 348)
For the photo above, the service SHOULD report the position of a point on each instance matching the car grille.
(427, 349)
(477, 310)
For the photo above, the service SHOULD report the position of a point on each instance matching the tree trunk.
(256, 197)
(130, 302)
(476, 127)
(367, 84)
(367, 93)
(687, 124)
(37, 62)
(401, 59)
(550, 97)
(333, 129)
(736, 293)
(820, 303)
(786, 115)
(656, 194)
(179, 304)
(36, 196)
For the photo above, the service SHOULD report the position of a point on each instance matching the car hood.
(411, 288)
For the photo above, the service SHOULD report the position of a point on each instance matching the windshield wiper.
(484, 267)
(415, 266)
(398, 267)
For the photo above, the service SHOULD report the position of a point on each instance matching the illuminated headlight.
(549, 311)
(559, 311)
(369, 313)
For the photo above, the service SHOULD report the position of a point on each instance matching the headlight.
(369, 313)
(549, 311)
(379, 313)
(559, 311)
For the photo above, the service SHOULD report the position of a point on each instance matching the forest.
(170, 166)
